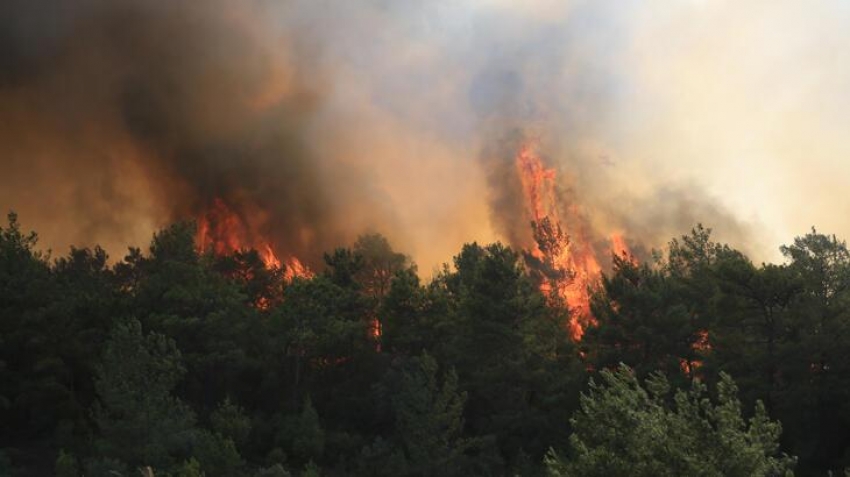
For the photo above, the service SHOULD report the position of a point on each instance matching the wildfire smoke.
(292, 129)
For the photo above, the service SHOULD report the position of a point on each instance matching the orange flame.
(294, 268)
(268, 256)
(621, 249)
(538, 183)
(221, 231)
(568, 264)
(702, 346)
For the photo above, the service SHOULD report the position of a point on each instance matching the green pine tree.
(626, 428)
(140, 421)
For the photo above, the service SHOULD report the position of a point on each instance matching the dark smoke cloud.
(122, 112)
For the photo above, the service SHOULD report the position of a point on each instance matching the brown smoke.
(316, 122)
(124, 115)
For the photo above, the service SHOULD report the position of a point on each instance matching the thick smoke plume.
(316, 121)
(124, 114)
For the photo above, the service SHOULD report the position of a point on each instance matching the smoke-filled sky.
(320, 120)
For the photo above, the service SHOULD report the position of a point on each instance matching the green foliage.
(34, 379)
(216, 454)
(301, 435)
(259, 284)
(642, 321)
(311, 470)
(343, 267)
(382, 458)
(405, 315)
(656, 316)
(321, 319)
(812, 395)
(230, 421)
(16, 245)
(220, 332)
(276, 456)
(778, 328)
(189, 468)
(625, 428)
(429, 420)
(5, 464)
(275, 470)
(752, 338)
(494, 310)
(380, 264)
(106, 467)
(66, 465)
(89, 361)
(140, 421)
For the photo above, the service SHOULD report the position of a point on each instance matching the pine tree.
(429, 419)
(140, 422)
(626, 428)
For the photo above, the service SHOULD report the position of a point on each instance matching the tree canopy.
(626, 427)
(170, 361)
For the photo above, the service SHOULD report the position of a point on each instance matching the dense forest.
(173, 362)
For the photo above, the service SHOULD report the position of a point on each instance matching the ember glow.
(701, 346)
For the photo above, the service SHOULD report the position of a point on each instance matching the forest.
(172, 362)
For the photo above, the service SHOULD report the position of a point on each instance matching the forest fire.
(563, 261)
(222, 230)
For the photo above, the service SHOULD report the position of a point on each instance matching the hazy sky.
(747, 101)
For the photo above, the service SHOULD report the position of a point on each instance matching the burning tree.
(564, 263)
(223, 230)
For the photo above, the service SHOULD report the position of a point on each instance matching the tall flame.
(565, 261)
